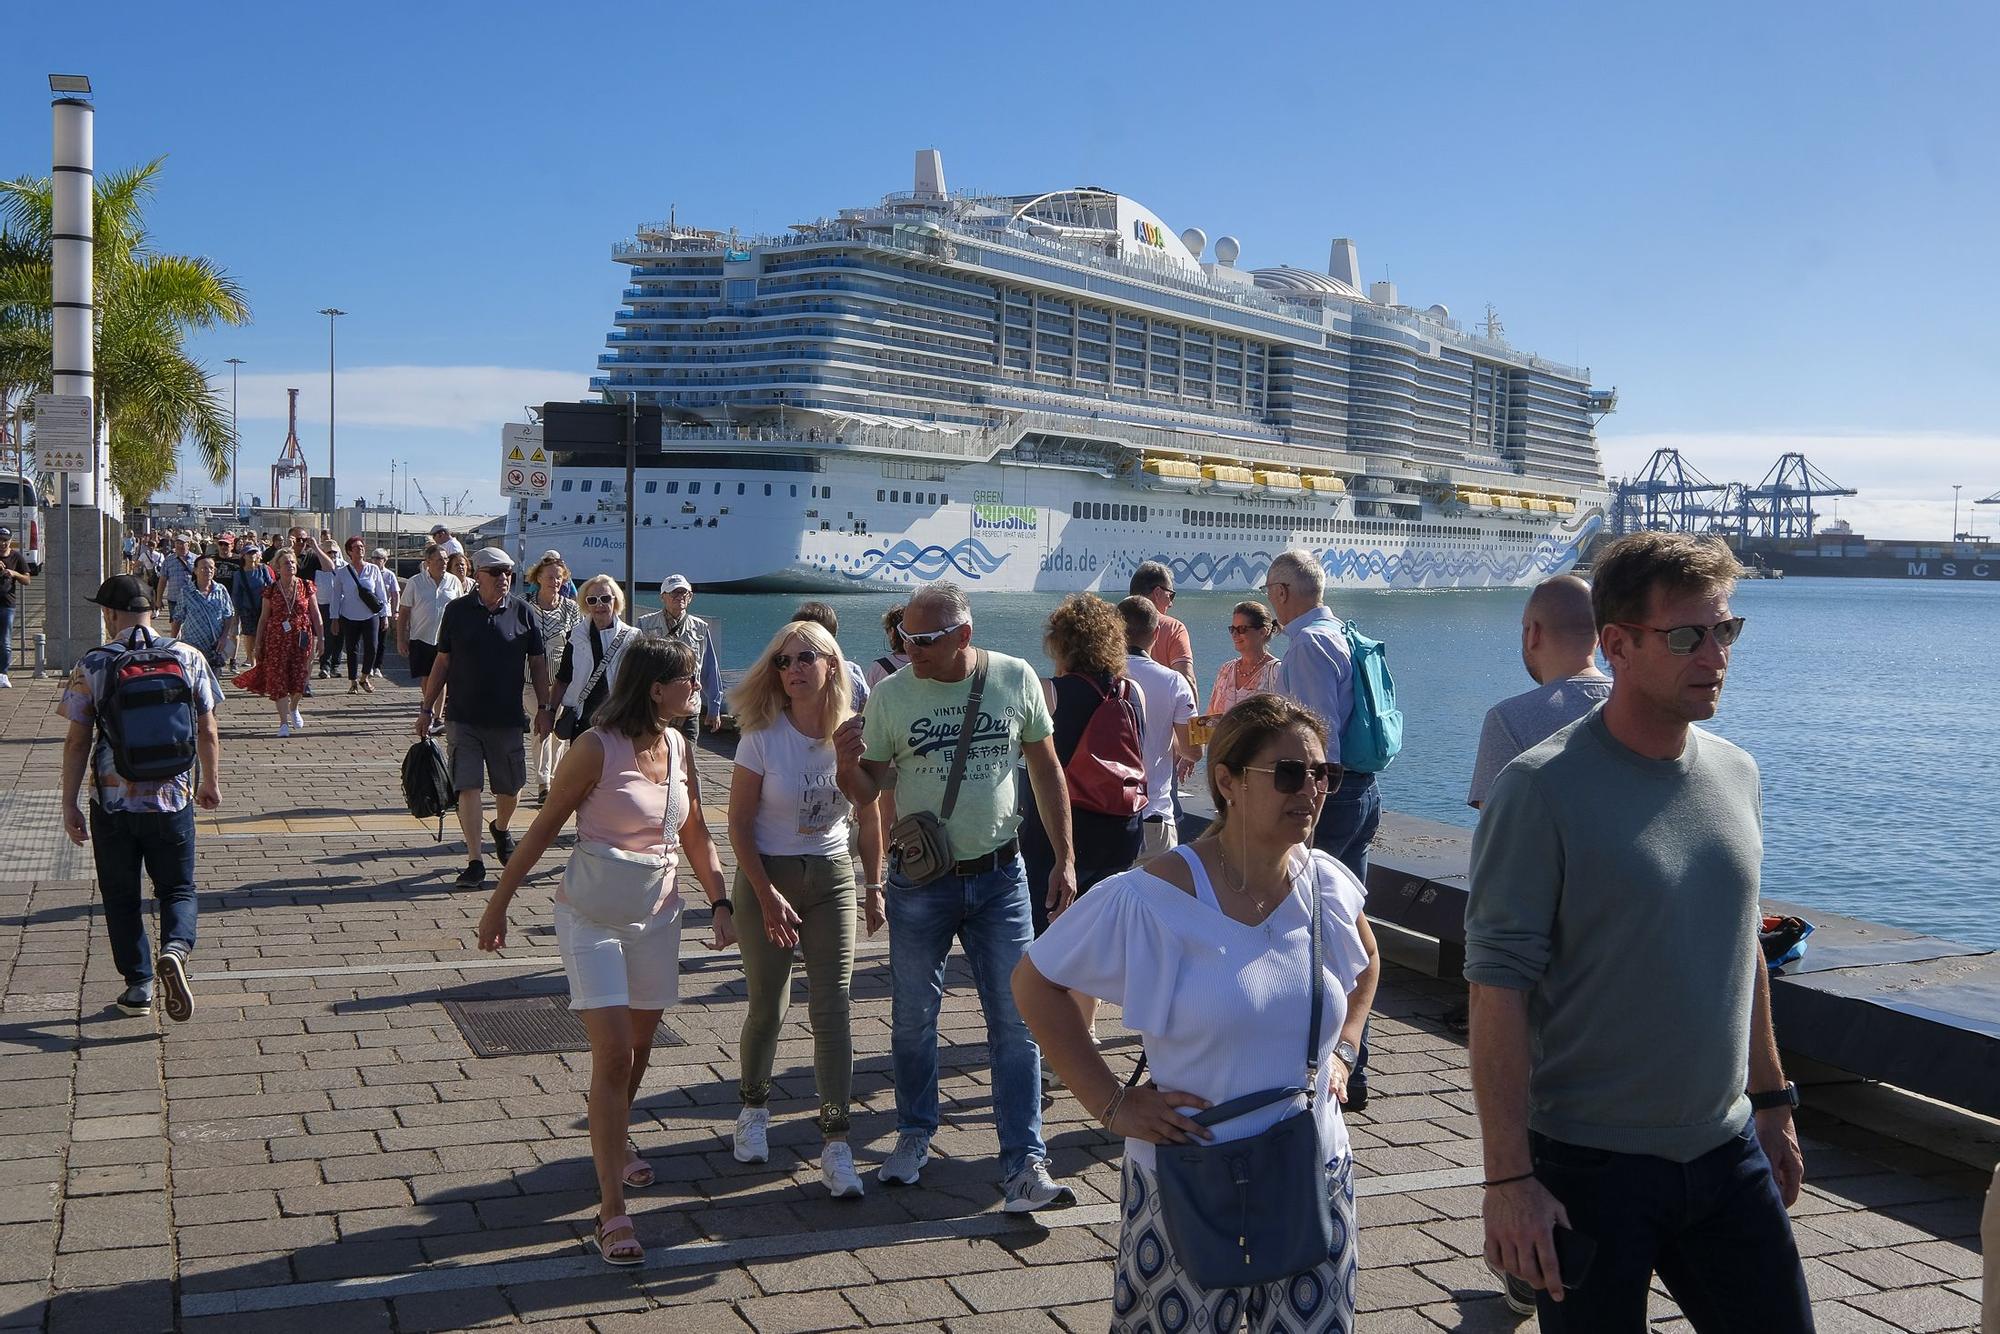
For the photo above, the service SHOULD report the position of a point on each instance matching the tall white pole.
(235, 443)
(332, 472)
(75, 360)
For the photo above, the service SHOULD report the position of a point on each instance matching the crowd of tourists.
(1636, 1120)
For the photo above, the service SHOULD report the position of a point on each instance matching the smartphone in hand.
(1574, 1252)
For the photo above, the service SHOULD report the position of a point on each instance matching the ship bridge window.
(651, 487)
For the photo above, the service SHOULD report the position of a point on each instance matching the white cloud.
(450, 398)
(1904, 480)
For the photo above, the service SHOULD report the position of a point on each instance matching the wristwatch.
(1788, 1096)
(1345, 1051)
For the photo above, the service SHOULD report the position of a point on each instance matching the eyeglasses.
(1288, 776)
(600, 600)
(925, 638)
(1685, 639)
(1244, 629)
(805, 657)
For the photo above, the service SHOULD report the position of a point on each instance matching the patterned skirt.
(1152, 1294)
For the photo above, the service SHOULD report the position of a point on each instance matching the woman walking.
(1209, 950)
(587, 656)
(247, 591)
(287, 630)
(895, 659)
(1253, 671)
(205, 616)
(1085, 639)
(359, 600)
(788, 821)
(632, 787)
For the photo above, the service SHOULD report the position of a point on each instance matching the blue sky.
(1769, 226)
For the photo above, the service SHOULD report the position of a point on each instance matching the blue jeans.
(1714, 1229)
(1347, 823)
(6, 639)
(161, 843)
(989, 915)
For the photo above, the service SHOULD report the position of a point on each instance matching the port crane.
(1782, 504)
(1668, 495)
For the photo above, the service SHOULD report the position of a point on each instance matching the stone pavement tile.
(116, 1179)
(1947, 1219)
(1020, 1289)
(132, 1306)
(232, 1273)
(707, 1318)
(235, 1207)
(116, 1152)
(1400, 1245)
(1959, 1259)
(1826, 1283)
(109, 1222)
(378, 1166)
(254, 1176)
(1884, 1268)
(235, 1238)
(796, 1313)
(597, 1294)
(29, 1203)
(935, 1259)
(354, 1256)
(463, 1308)
(337, 1318)
(514, 1243)
(1473, 1316)
(1464, 1278)
(1920, 1310)
(695, 1286)
(23, 1305)
(1883, 1188)
(148, 1125)
(1840, 1318)
(1859, 1230)
(100, 1269)
(31, 1171)
(129, 1103)
(1387, 1289)
(809, 1273)
(35, 1093)
(914, 1299)
(351, 1195)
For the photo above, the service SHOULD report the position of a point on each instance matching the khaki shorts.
(483, 754)
(1155, 838)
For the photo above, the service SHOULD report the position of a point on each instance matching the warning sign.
(524, 467)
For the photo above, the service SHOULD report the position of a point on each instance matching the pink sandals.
(623, 1251)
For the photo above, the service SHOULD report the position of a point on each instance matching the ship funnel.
(1343, 264)
(930, 174)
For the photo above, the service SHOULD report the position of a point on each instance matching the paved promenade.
(321, 1149)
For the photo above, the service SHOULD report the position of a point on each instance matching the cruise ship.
(1040, 391)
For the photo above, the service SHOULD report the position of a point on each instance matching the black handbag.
(1254, 1210)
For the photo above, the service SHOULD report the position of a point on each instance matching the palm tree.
(150, 392)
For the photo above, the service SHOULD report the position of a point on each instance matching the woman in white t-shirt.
(789, 822)
(1207, 949)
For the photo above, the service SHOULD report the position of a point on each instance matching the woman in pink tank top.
(631, 784)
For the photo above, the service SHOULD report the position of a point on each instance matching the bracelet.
(1508, 1181)
(1110, 1112)
(713, 904)
(876, 888)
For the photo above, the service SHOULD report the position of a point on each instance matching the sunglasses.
(1685, 639)
(676, 680)
(805, 657)
(925, 638)
(503, 572)
(1244, 629)
(1288, 776)
(600, 600)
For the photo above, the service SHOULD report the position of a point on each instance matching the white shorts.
(1156, 838)
(636, 966)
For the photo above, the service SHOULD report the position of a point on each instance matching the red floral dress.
(284, 655)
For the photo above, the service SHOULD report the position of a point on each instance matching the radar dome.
(1440, 310)
(1227, 248)
(1196, 240)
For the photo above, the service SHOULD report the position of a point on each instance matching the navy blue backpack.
(147, 713)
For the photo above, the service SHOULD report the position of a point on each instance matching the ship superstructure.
(1040, 391)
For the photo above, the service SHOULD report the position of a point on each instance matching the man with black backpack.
(141, 712)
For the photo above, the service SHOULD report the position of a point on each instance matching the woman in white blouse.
(600, 635)
(788, 821)
(1207, 949)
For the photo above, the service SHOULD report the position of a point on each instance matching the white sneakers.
(298, 722)
(5, 682)
(836, 1171)
(753, 1135)
(284, 729)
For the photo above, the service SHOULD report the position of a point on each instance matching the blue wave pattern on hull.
(969, 558)
(1411, 569)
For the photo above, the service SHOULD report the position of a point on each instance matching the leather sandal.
(638, 1172)
(624, 1252)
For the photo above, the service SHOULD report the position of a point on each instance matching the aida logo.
(1149, 233)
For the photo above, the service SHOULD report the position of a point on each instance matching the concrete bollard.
(41, 655)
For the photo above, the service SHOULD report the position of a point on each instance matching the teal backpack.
(1373, 733)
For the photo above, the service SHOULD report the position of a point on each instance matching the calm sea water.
(1869, 704)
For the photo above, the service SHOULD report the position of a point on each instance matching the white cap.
(491, 558)
(675, 583)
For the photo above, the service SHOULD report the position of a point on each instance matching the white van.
(21, 511)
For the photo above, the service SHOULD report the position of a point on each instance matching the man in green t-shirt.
(902, 750)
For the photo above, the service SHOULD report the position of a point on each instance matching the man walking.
(446, 543)
(1171, 646)
(1168, 705)
(902, 750)
(420, 611)
(484, 641)
(1627, 1078)
(14, 575)
(139, 823)
(674, 621)
(177, 569)
(1559, 649)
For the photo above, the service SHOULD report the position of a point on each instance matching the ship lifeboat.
(1228, 478)
(1273, 479)
(1477, 499)
(1172, 474)
(1507, 502)
(1324, 484)
(1535, 505)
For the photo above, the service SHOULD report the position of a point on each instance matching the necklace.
(1236, 884)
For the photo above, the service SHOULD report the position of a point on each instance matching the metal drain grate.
(529, 1026)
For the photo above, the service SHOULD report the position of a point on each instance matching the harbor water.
(1869, 705)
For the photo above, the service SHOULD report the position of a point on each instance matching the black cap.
(121, 592)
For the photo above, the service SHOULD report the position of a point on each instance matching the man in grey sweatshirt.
(1628, 1080)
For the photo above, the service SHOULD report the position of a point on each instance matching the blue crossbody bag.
(1250, 1211)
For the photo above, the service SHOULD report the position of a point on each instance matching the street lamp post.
(235, 442)
(1955, 488)
(332, 473)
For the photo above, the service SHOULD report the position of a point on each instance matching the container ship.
(1839, 552)
(1040, 391)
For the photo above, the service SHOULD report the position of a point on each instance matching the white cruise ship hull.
(1019, 527)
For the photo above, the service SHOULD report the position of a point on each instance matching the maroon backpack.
(1106, 772)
